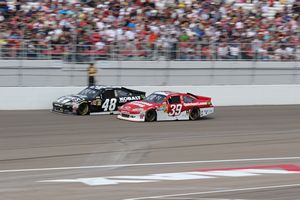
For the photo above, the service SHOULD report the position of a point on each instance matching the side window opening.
(108, 94)
(188, 99)
(174, 100)
(121, 93)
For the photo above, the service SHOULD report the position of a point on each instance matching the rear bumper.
(206, 111)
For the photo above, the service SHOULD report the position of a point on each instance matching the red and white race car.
(161, 106)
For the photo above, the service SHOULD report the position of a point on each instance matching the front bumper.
(131, 117)
(61, 108)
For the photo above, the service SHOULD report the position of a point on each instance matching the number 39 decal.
(175, 109)
(109, 104)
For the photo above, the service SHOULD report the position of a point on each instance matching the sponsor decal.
(206, 111)
(96, 102)
(163, 107)
(126, 108)
(141, 103)
(126, 99)
(145, 103)
(142, 115)
(196, 104)
(191, 175)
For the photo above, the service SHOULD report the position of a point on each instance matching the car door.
(174, 106)
(109, 101)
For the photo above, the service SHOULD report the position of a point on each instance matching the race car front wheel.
(83, 109)
(194, 114)
(150, 116)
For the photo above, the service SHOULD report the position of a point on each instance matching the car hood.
(71, 99)
(138, 104)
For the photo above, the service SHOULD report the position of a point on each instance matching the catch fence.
(256, 51)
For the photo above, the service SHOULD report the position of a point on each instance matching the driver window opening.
(108, 94)
(174, 100)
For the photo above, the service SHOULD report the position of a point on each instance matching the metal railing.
(33, 50)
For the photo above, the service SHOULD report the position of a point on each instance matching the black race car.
(97, 99)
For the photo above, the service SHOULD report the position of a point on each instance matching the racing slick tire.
(194, 114)
(150, 116)
(83, 109)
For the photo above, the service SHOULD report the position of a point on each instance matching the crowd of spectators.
(185, 29)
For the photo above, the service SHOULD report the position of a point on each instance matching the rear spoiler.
(193, 95)
(134, 91)
(200, 97)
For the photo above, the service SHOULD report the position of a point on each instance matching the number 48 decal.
(175, 109)
(109, 104)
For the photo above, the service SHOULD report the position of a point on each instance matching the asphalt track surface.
(47, 156)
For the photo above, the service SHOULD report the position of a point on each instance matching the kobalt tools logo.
(133, 98)
(192, 175)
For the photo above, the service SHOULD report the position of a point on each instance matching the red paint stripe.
(287, 167)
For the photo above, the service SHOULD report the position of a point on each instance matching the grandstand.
(81, 31)
(269, 11)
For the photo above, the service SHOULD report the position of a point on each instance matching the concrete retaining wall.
(26, 98)
(58, 74)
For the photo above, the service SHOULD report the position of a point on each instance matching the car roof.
(167, 93)
(99, 87)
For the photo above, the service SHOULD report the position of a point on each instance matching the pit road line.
(148, 164)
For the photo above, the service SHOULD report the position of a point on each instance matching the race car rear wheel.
(150, 116)
(83, 109)
(194, 114)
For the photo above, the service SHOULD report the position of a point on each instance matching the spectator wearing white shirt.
(223, 51)
(234, 50)
(130, 35)
(290, 53)
(279, 53)
(262, 53)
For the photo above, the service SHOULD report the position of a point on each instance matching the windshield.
(90, 93)
(155, 98)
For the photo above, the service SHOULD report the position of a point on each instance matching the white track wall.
(55, 73)
(31, 98)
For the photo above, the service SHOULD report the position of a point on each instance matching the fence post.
(74, 57)
(296, 66)
(213, 51)
(20, 67)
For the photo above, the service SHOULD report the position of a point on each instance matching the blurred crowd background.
(81, 30)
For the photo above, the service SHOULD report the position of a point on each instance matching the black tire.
(150, 116)
(194, 114)
(83, 109)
